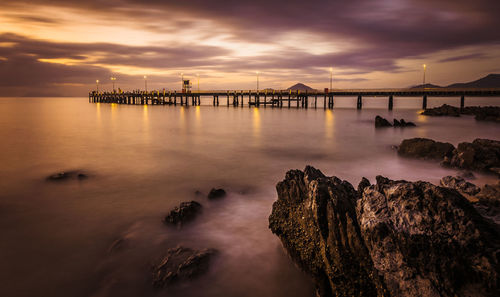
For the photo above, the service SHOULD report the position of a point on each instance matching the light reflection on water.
(143, 160)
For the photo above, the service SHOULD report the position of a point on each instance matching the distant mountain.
(300, 87)
(427, 86)
(489, 81)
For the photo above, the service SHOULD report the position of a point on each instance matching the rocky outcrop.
(424, 148)
(459, 184)
(481, 113)
(443, 110)
(183, 213)
(380, 122)
(216, 193)
(481, 154)
(397, 238)
(181, 264)
(67, 175)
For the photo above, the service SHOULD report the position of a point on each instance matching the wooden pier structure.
(276, 98)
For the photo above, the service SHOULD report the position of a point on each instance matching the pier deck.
(282, 98)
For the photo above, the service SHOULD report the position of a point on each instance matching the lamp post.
(198, 76)
(257, 80)
(146, 83)
(97, 85)
(425, 68)
(113, 81)
(331, 78)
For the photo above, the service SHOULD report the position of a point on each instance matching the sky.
(61, 47)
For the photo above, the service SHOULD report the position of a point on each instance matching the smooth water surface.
(144, 160)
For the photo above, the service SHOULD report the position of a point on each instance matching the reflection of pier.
(288, 99)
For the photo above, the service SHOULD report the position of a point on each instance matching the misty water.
(144, 160)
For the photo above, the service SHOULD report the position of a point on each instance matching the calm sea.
(144, 160)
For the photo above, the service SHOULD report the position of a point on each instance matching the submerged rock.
(459, 184)
(481, 154)
(66, 175)
(404, 123)
(183, 213)
(181, 264)
(397, 238)
(380, 122)
(424, 148)
(216, 193)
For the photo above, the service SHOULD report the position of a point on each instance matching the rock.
(198, 193)
(424, 148)
(443, 110)
(364, 183)
(489, 202)
(404, 123)
(181, 264)
(117, 245)
(481, 113)
(380, 122)
(398, 239)
(459, 184)
(397, 123)
(481, 154)
(66, 175)
(216, 193)
(183, 213)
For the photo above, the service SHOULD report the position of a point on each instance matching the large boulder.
(481, 113)
(181, 264)
(424, 148)
(481, 154)
(380, 122)
(183, 213)
(459, 184)
(397, 238)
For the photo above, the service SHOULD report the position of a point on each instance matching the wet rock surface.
(216, 193)
(459, 184)
(424, 148)
(481, 113)
(183, 213)
(67, 175)
(397, 238)
(488, 203)
(481, 154)
(180, 264)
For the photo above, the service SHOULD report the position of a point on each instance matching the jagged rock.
(181, 264)
(404, 123)
(66, 175)
(396, 239)
(186, 211)
(397, 123)
(216, 193)
(459, 184)
(380, 122)
(363, 184)
(424, 148)
(443, 110)
(481, 154)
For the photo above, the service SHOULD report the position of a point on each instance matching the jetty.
(282, 98)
